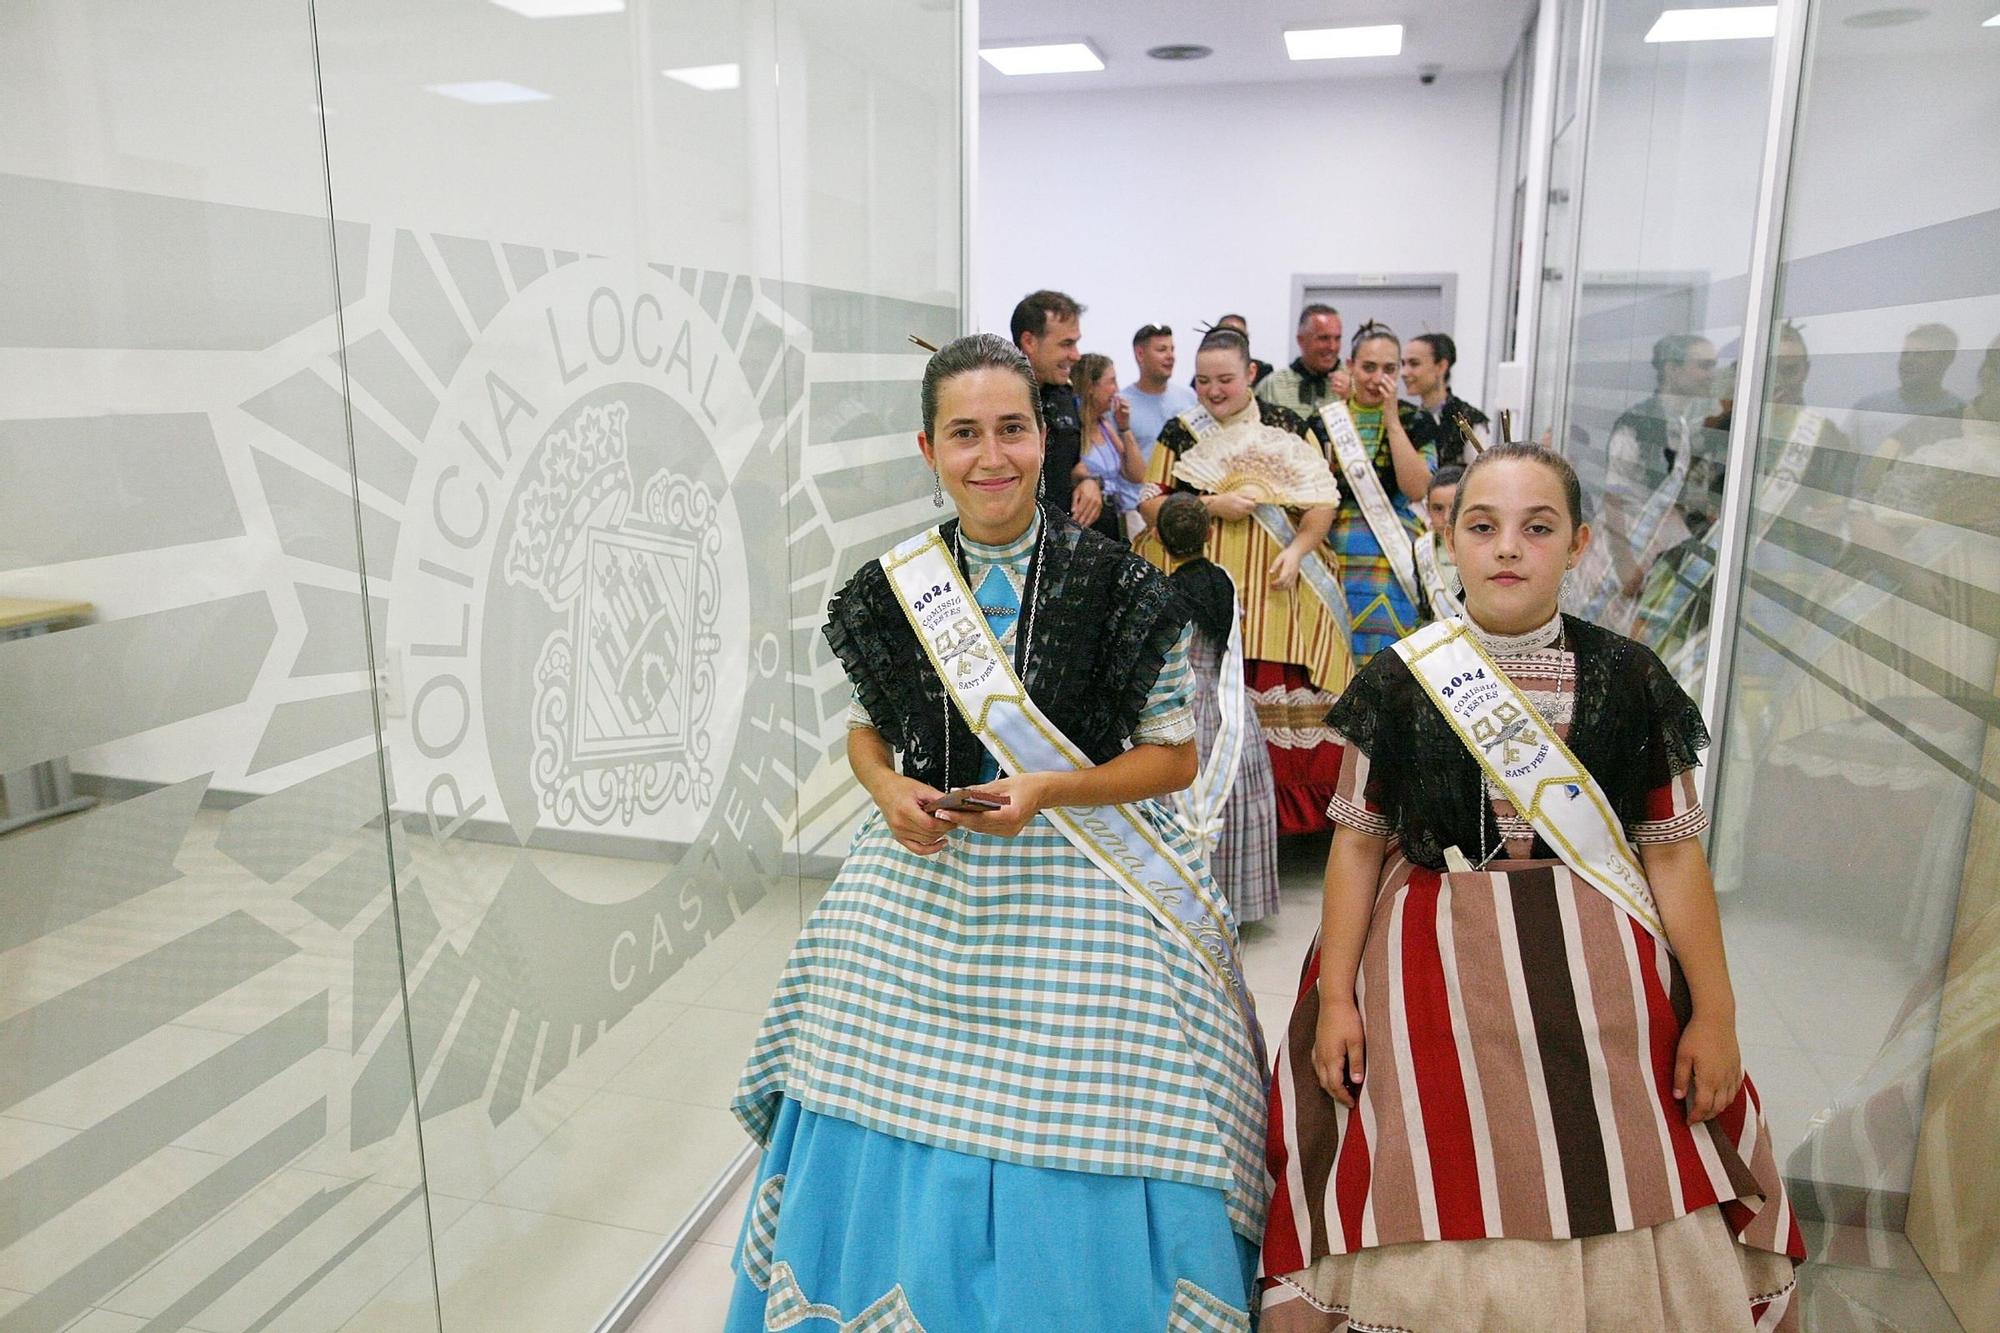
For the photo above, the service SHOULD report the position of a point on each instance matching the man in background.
(1456, 427)
(1316, 374)
(1154, 397)
(1919, 410)
(1048, 327)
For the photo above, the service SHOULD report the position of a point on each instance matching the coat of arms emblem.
(623, 687)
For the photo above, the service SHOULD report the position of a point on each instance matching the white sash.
(1200, 806)
(1437, 588)
(1116, 838)
(1528, 763)
(1365, 484)
(1314, 571)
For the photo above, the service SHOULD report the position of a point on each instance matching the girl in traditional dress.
(1004, 1082)
(1294, 630)
(1384, 476)
(1510, 1095)
(1239, 799)
(1437, 570)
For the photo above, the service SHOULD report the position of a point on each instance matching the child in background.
(1437, 568)
(1244, 856)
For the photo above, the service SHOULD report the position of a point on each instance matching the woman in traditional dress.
(1237, 799)
(1111, 452)
(1384, 476)
(1511, 1095)
(1294, 632)
(1004, 1083)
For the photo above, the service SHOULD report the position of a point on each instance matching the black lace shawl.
(1210, 598)
(1634, 728)
(1105, 621)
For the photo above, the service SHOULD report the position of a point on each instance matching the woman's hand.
(1087, 501)
(1121, 413)
(1339, 1048)
(1023, 796)
(898, 797)
(1284, 570)
(1230, 505)
(1342, 382)
(1708, 1067)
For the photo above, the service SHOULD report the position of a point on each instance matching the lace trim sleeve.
(1168, 718)
(863, 649)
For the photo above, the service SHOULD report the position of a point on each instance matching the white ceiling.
(1459, 36)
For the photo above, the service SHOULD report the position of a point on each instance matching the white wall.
(1175, 208)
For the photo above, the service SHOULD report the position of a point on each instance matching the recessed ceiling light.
(487, 92)
(708, 78)
(1714, 25)
(561, 9)
(1060, 58)
(1181, 51)
(1382, 39)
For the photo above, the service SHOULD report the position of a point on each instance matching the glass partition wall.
(428, 438)
(1855, 563)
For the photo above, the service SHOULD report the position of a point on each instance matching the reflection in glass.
(1857, 805)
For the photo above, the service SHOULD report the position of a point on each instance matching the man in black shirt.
(1456, 427)
(1047, 327)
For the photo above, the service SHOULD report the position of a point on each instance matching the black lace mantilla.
(1105, 621)
(1634, 728)
(1210, 597)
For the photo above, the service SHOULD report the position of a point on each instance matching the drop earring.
(937, 490)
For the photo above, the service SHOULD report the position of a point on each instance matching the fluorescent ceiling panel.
(1993, 22)
(1382, 39)
(708, 78)
(561, 9)
(1061, 58)
(1714, 25)
(487, 92)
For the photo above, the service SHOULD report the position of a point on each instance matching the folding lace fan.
(1271, 465)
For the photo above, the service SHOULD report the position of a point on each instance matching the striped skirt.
(1521, 1032)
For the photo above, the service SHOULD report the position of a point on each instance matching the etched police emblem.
(623, 687)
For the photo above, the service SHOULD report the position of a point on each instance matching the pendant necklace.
(1023, 645)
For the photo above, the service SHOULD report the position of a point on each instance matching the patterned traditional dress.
(1245, 860)
(1295, 660)
(1378, 609)
(994, 1093)
(1516, 1158)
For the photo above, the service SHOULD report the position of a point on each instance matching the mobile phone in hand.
(963, 800)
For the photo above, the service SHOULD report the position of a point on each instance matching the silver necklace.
(1026, 643)
(1487, 819)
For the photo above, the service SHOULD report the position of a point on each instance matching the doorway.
(1409, 303)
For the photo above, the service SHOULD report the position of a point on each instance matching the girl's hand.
(897, 798)
(1121, 413)
(1023, 796)
(1708, 1067)
(1284, 570)
(1339, 1048)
